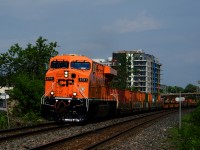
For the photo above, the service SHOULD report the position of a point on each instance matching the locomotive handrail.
(42, 98)
(87, 100)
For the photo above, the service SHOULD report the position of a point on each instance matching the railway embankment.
(158, 136)
(154, 136)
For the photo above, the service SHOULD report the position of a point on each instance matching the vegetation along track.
(92, 139)
(15, 133)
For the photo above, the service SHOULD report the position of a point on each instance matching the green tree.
(28, 93)
(30, 60)
(3, 120)
(190, 88)
(174, 89)
(121, 67)
(24, 70)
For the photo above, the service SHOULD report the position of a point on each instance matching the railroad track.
(98, 137)
(11, 134)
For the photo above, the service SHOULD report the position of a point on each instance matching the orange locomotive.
(76, 87)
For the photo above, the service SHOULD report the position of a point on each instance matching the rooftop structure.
(107, 62)
(5, 89)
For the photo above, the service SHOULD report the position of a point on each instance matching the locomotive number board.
(83, 79)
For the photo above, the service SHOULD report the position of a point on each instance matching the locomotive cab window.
(59, 64)
(80, 65)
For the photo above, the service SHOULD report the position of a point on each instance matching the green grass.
(188, 137)
(3, 120)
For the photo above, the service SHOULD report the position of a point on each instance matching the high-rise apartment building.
(143, 70)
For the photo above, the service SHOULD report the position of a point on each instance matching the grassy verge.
(188, 137)
(19, 120)
(3, 120)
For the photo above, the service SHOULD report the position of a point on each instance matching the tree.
(190, 88)
(28, 93)
(24, 70)
(30, 60)
(121, 67)
(174, 89)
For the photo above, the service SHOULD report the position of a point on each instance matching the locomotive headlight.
(66, 74)
(52, 93)
(74, 94)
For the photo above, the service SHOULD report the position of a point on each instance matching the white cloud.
(141, 23)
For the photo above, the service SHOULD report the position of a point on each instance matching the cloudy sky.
(167, 29)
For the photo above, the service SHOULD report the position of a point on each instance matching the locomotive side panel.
(125, 105)
(102, 102)
(96, 81)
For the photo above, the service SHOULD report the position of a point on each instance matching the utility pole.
(8, 119)
(180, 99)
(180, 111)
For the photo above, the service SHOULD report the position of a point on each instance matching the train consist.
(78, 88)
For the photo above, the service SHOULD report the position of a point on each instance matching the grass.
(188, 137)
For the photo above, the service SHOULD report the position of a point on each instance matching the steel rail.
(29, 130)
(85, 134)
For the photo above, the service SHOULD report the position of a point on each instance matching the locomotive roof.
(71, 57)
(75, 57)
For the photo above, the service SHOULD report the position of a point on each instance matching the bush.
(3, 120)
(28, 93)
(30, 116)
(195, 117)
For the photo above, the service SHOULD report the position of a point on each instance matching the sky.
(167, 29)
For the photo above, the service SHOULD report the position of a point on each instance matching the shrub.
(30, 116)
(3, 120)
(28, 93)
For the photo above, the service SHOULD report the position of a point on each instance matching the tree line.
(190, 88)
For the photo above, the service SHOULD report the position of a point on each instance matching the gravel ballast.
(153, 137)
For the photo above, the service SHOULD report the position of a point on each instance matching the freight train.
(78, 88)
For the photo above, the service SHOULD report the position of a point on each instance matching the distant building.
(107, 62)
(5, 89)
(3, 97)
(138, 70)
(144, 70)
